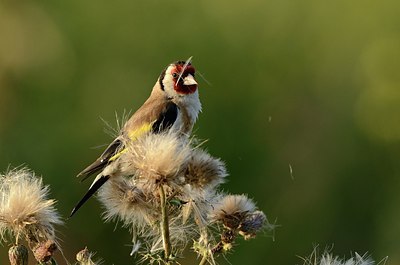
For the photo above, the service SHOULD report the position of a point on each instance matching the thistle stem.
(203, 260)
(164, 224)
(204, 252)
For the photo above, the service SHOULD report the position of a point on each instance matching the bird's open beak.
(189, 80)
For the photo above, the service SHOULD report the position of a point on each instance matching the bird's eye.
(175, 75)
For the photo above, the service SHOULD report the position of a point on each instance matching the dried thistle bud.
(44, 251)
(252, 223)
(218, 248)
(227, 246)
(227, 239)
(18, 255)
(84, 257)
(203, 170)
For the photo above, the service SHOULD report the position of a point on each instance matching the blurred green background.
(309, 85)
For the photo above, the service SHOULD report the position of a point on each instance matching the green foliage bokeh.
(303, 104)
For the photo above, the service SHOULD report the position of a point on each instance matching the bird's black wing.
(166, 118)
(95, 186)
(102, 161)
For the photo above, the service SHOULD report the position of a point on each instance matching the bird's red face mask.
(184, 82)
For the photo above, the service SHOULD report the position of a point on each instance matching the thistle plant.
(165, 189)
(27, 216)
(167, 194)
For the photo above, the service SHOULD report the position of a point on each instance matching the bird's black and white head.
(178, 80)
(178, 84)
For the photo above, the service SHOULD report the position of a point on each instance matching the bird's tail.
(97, 183)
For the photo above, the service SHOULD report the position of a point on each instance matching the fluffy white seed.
(204, 171)
(156, 158)
(329, 259)
(25, 210)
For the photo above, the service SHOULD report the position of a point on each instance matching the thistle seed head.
(25, 210)
(204, 171)
(232, 210)
(124, 201)
(156, 159)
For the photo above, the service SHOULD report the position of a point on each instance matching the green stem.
(164, 224)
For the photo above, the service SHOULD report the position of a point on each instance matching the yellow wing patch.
(145, 128)
(133, 136)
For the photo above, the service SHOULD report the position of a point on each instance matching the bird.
(173, 105)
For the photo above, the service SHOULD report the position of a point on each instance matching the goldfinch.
(173, 105)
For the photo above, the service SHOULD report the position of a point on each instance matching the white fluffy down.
(328, 259)
(230, 205)
(158, 157)
(24, 207)
(204, 170)
(123, 201)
